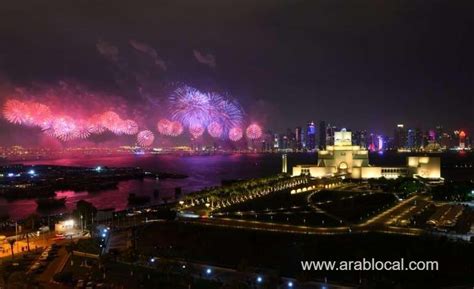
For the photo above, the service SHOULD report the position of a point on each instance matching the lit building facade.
(352, 161)
(311, 136)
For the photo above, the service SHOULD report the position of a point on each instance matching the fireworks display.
(176, 128)
(197, 110)
(253, 131)
(165, 126)
(188, 108)
(215, 129)
(196, 130)
(145, 138)
(235, 134)
(129, 127)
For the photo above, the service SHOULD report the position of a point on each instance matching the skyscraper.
(411, 139)
(311, 136)
(299, 144)
(322, 135)
(400, 137)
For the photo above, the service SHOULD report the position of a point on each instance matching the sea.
(202, 171)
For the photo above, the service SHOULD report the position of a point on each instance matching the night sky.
(357, 64)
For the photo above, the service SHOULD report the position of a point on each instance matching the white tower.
(284, 163)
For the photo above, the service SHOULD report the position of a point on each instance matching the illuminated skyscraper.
(462, 140)
(311, 136)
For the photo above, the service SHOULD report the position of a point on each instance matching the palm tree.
(12, 241)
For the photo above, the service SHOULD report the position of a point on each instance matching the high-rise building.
(411, 141)
(322, 135)
(418, 138)
(303, 138)
(462, 140)
(311, 136)
(439, 132)
(276, 141)
(360, 138)
(400, 137)
(299, 144)
(290, 139)
(330, 134)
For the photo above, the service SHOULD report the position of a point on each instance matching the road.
(21, 246)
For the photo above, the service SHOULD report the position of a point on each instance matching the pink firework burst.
(95, 124)
(129, 127)
(145, 138)
(215, 129)
(65, 128)
(165, 126)
(253, 131)
(14, 111)
(235, 134)
(82, 130)
(112, 121)
(176, 128)
(41, 115)
(196, 130)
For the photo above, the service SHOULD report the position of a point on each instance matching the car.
(80, 284)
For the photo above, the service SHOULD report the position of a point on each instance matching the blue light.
(290, 284)
(103, 235)
(10, 175)
(98, 169)
(259, 279)
(208, 271)
(31, 172)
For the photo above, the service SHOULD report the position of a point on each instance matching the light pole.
(82, 224)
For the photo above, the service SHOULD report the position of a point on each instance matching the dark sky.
(358, 64)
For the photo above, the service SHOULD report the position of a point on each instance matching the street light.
(82, 224)
(208, 271)
(290, 284)
(259, 279)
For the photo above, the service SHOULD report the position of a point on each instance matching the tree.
(32, 221)
(12, 241)
(86, 210)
